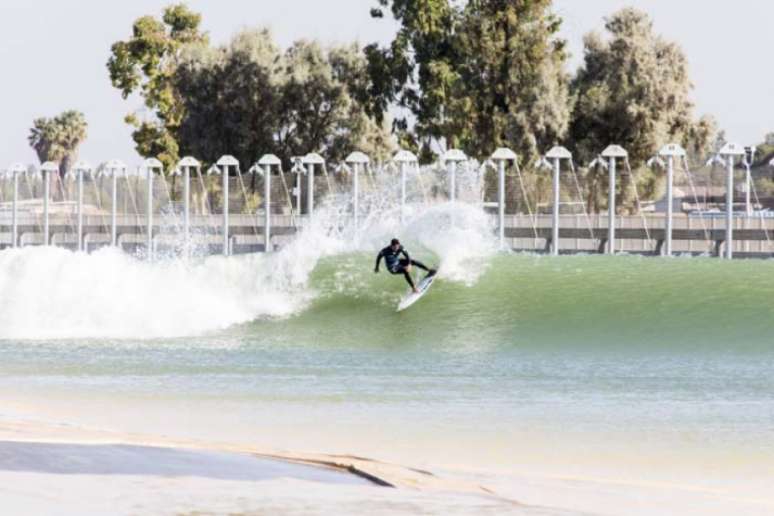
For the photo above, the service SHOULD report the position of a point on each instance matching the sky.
(53, 55)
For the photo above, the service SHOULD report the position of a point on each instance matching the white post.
(46, 193)
(611, 207)
(404, 158)
(225, 162)
(149, 210)
(403, 166)
(356, 159)
(555, 215)
(355, 195)
(15, 170)
(265, 164)
(452, 180)
(184, 168)
(310, 189)
(729, 152)
(225, 210)
(114, 210)
(730, 209)
(671, 152)
(80, 209)
(15, 210)
(267, 208)
(500, 156)
(670, 204)
(556, 154)
(501, 202)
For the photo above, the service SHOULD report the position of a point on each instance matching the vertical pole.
(747, 200)
(611, 208)
(114, 210)
(80, 210)
(730, 209)
(298, 194)
(355, 193)
(149, 208)
(267, 208)
(187, 209)
(225, 210)
(670, 204)
(452, 181)
(501, 202)
(310, 190)
(555, 217)
(46, 188)
(15, 210)
(403, 166)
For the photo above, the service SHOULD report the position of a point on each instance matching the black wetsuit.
(397, 265)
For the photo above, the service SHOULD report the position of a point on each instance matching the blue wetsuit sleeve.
(405, 253)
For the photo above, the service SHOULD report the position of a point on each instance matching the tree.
(57, 139)
(476, 75)
(633, 90)
(512, 72)
(146, 64)
(249, 97)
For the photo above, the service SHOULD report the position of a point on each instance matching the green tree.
(249, 98)
(473, 75)
(513, 81)
(633, 90)
(145, 64)
(58, 139)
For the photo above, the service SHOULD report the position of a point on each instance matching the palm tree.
(57, 139)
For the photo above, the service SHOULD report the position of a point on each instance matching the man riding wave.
(397, 265)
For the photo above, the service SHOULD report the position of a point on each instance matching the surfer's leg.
(409, 280)
(420, 265)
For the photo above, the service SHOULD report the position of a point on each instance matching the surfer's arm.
(378, 259)
(405, 253)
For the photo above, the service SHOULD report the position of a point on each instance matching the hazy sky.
(53, 55)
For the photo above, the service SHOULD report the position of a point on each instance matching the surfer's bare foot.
(416, 290)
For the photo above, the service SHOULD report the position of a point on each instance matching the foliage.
(57, 139)
(145, 64)
(249, 97)
(475, 75)
(633, 90)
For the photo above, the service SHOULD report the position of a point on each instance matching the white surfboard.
(422, 287)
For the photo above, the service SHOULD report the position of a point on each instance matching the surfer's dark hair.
(395, 241)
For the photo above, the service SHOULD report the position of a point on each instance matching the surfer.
(397, 265)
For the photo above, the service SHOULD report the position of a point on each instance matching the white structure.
(749, 158)
(310, 160)
(356, 160)
(223, 167)
(404, 158)
(184, 168)
(452, 158)
(14, 170)
(264, 166)
(728, 154)
(80, 169)
(608, 159)
(502, 156)
(556, 155)
(150, 166)
(114, 168)
(46, 169)
(670, 152)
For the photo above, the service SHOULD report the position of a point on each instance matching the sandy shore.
(63, 469)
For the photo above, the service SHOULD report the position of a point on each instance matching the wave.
(52, 293)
